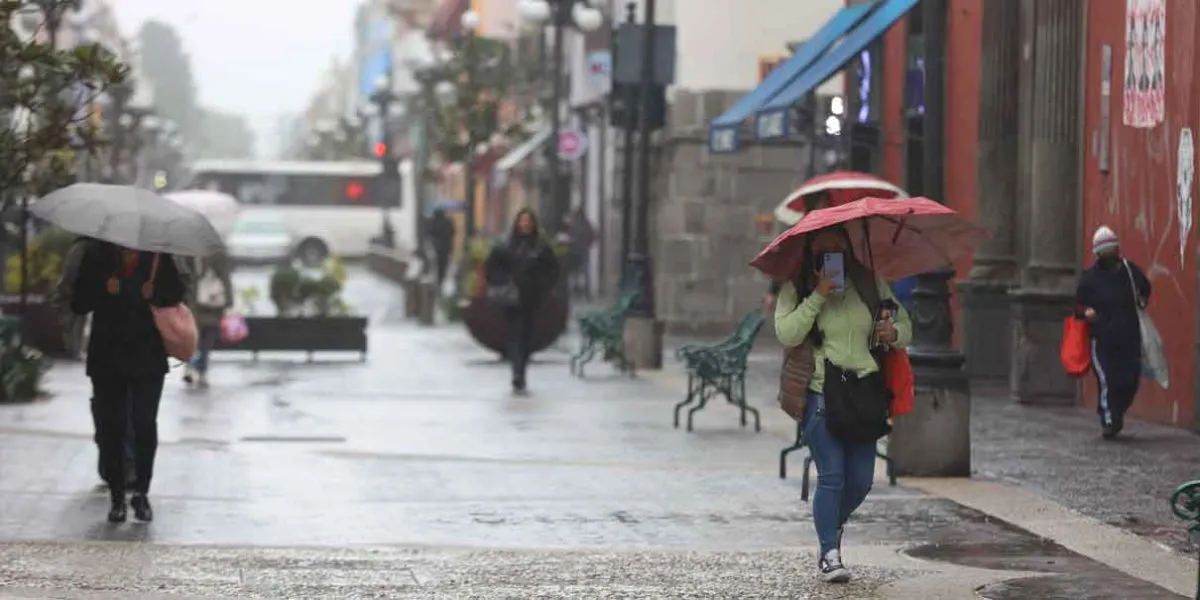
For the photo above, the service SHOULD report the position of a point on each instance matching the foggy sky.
(258, 58)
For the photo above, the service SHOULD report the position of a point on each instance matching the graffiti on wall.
(1145, 78)
(1186, 174)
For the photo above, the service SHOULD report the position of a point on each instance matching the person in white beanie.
(1108, 297)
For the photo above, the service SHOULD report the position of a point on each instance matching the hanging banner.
(1145, 36)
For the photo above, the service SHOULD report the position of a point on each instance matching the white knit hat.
(1104, 239)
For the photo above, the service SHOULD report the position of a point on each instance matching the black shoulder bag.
(857, 408)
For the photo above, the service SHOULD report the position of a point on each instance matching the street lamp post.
(120, 94)
(470, 21)
(562, 14)
(383, 99)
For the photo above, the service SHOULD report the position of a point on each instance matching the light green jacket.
(846, 323)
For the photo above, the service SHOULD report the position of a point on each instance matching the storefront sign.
(771, 125)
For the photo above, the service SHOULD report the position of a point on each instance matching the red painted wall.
(1138, 197)
(963, 55)
(963, 32)
(895, 60)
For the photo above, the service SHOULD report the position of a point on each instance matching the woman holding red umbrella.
(825, 307)
(840, 320)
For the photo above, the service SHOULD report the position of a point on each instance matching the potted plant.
(44, 327)
(284, 290)
(311, 315)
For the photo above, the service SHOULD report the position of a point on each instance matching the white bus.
(332, 208)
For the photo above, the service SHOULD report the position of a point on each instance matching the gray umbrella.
(130, 217)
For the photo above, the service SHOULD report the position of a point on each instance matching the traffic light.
(381, 150)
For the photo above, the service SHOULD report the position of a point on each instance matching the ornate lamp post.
(561, 14)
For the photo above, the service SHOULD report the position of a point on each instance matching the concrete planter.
(42, 328)
(387, 263)
(302, 334)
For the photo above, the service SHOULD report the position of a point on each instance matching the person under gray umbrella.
(127, 267)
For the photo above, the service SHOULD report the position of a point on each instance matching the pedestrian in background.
(1108, 297)
(126, 359)
(583, 237)
(441, 236)
(526, 269)
(212, 295)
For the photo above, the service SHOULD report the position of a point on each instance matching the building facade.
(706, 206)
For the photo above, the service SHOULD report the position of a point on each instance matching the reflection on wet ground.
(583, 488)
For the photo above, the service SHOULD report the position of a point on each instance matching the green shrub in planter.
(21, 372)
(284, 289)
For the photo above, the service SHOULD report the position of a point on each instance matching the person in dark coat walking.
(1108, 297)
(527, 262)
(441, 236)
(64, 290)
(126, 359)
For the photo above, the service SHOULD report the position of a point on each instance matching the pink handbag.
(234, 329)
(175, 323)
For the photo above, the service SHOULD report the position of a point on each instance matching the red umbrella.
(896, 239)
(843, 186)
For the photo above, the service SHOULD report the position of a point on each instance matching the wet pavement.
(419, 474)
(1057, 452)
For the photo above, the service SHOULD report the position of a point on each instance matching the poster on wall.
(1145, 35)
(1186, 175)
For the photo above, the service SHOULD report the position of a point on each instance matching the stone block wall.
(703, 214)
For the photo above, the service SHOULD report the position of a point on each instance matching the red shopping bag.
(1076, 347)
(898, 375)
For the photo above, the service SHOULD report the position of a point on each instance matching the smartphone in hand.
(835, 263)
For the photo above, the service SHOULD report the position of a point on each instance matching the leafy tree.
(482, 72)
(43, 95)
(169, 69)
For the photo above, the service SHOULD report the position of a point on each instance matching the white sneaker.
(831, 568)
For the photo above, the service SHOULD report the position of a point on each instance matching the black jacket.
(529, 263)
(1110, 294)
(124, 340)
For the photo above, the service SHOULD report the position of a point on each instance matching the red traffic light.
(380, 150)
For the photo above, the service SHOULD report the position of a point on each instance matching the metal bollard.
(1185, 503)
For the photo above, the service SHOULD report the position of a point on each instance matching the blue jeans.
(844, 474)
(208, 335)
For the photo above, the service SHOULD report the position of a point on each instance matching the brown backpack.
(797, 373)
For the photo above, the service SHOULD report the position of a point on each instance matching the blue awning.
(771, 121)
(723, 130)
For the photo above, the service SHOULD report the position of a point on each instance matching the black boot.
(141, 508)
(117, 513)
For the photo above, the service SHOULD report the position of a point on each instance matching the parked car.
(260, 239)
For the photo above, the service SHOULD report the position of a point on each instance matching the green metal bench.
(720, 368)
(605, 331)
(800, 444)
(1185, 503)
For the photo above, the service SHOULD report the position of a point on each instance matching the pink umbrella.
(843, 186)
(897, 239)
